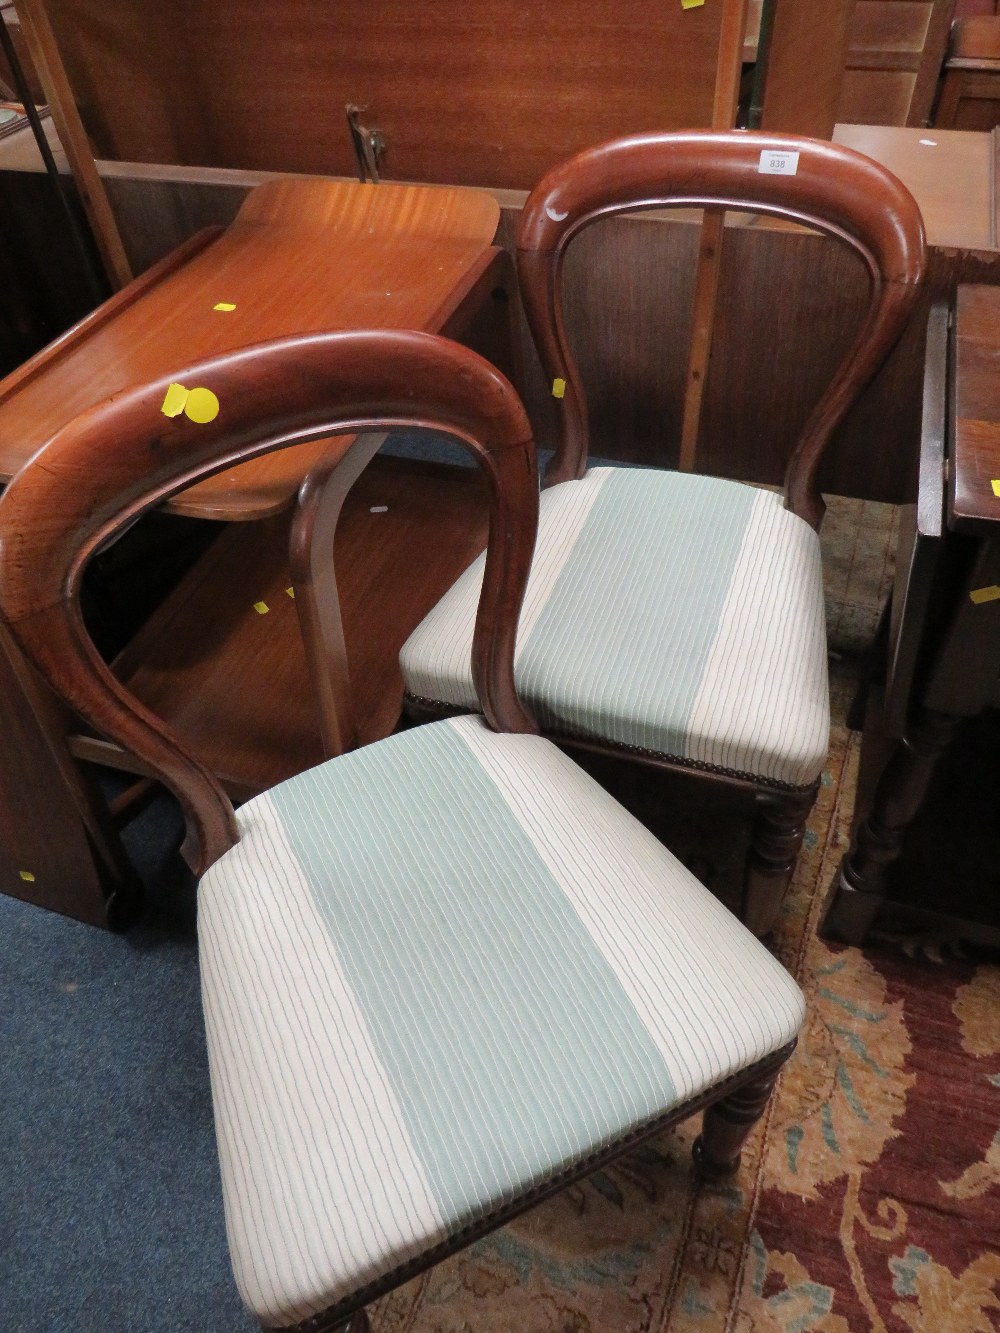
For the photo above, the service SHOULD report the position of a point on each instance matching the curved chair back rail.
(124, 456)
(833, 189)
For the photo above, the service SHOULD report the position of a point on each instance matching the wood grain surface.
(975, 452)
(896, 49)
(813, 37)
(483, 94)
(303, 255)
(949, 172)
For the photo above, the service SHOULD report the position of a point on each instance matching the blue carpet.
(110, 1204)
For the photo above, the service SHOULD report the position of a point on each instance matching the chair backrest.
(839, 192)
(125, 455)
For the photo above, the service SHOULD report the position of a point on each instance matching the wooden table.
(222, 659)
(944, 656)
(303, 254)
(951, 173)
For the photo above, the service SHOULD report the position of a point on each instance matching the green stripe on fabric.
(621, 640)
(506, 1036)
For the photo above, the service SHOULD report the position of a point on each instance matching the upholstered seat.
(392, 1067)
(671, 613)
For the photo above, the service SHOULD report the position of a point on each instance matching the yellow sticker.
(290, 592)
(202, 406)
(996, 488)
(224, 305)
(174, 400)
(692, 4)
(261, 608)
(979, 595)
(27, 876)
(558, 388)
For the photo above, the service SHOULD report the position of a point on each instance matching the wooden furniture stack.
(928, 846)
(895, 52)
(970, 93)
(483, 99)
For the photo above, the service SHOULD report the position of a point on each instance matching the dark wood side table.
(944, 646)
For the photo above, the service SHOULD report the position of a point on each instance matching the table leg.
(859, 887)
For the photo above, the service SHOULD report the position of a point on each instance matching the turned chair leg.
(726, 1127)
(859, 887)
(779, 827)
(358, 1323)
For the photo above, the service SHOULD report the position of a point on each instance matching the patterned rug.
(869, 1197)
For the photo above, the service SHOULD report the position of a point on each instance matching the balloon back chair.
(445, 974)
(674, 618)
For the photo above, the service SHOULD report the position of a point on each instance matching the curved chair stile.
(418, 1081)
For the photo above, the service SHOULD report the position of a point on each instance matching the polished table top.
(950, 173)
(303, 254)
(975, 447)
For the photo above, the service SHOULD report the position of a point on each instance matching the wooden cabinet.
(487, 94)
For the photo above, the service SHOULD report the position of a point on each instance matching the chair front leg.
(779, 827)
(727, 1124)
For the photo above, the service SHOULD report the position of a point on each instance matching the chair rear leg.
(779, 827)
(727, 1124)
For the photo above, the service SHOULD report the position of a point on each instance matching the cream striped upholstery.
(679, 614)
(436, 973)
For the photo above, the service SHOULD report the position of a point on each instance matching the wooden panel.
(895, 52)
(485, 94)
(876, 97)
(45, 857)
(813, 37)
(879, 29)
(970, 95)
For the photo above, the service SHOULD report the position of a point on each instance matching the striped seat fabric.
(437, 973)
(676, 614)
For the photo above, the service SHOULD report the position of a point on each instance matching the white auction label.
(773, 162)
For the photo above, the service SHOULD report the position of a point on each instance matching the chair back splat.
(832, 189)
(125, 456)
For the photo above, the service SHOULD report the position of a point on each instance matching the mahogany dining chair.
(445, 974)
(673, 618)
